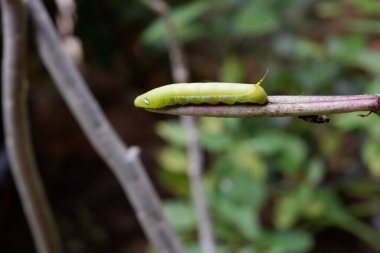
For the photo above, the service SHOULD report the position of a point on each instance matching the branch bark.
(18, 140)
(180, 74)
(124, 163)
(282, 106)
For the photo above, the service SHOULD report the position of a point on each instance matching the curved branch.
(18, 140)
(124, 163)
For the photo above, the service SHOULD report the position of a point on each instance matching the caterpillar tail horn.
(262, 79)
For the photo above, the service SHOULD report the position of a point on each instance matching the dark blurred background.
(274, 185)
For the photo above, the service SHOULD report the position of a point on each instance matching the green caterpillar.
(197, 93)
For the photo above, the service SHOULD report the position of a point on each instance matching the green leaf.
(174, 182)
(240, 219)
(256, 19)
(292, 206)
(180, 215)
(237, 198)
(172, 131)
(290, 241)
(315, 171)
(308, 49)
(373, 85)
(212, 125)
(369, 60)
(351, 122)
(313, 76)
(246, 159)
(352, 51)
(287, 212)
(287, 152)
(215, 142)
(346, 48)
(368, 7)
(173, 159)
(213, 135)
(238, 186)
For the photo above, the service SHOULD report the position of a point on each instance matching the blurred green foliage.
(274, 184)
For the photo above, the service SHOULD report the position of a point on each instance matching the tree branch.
(180, 74)
(124, 163)
(282, 106)
(18, 141)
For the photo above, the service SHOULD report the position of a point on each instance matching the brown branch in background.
(284, 106)
(124, 163)
(18, 141)
(180, 74)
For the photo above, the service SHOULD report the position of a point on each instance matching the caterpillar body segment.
(198, 93)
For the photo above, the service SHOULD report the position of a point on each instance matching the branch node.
(132, 153)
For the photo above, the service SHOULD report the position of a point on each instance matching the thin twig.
(179, 69)
(278, 109)
(18, 141)
(310, 99)
(180, 74)
(125, 163)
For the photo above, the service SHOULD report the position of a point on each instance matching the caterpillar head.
(149, 100)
